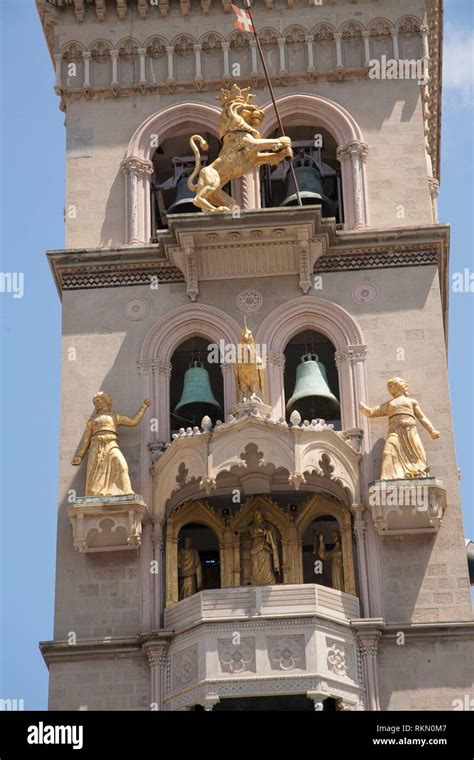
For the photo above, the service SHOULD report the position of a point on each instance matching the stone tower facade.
(363, 600)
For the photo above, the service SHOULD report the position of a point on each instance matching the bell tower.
(259, 500)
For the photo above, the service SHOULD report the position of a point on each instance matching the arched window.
(409, 33)
(196, 385)
(335, 125)
(101, 64)
(128, 64)
(156, 60)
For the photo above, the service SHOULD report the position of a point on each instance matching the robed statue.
(264, 557)
(189, 570)
(403, 454)
(335, 555)
(107, 469)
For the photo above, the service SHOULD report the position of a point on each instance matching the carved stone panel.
(185, 667)
(340, 658)
(237, 658)
(286, 652)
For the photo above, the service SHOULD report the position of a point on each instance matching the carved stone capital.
(156, 652)
(351, 353)
(352, 151)
(276, 359)
(137, 166)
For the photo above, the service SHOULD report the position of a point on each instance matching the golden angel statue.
(264, 558)
(107, 469)
(189, 570)
(248, 369)
(335, 555)
(243, 150)
(403, 454)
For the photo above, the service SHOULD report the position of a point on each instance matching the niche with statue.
(261, 543)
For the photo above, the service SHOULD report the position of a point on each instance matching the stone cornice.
(103, 649)
(378, 627)
(341, 250)
(60, 651)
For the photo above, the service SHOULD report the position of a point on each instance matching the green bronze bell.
(197, 398)
(312, 396)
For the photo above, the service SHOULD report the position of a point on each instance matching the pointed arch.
(310, 312)
(301, 108)
(166, 335)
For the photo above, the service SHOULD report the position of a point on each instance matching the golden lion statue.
(243, 150)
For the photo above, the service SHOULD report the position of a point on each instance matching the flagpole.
(280, 123)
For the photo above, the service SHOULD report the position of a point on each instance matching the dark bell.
(310, 185)
(183, 202)
(312, 396)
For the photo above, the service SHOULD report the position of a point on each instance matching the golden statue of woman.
(403, 455)
(264, 559)
(335, 555)
(107, 469)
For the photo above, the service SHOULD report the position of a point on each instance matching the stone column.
(198, 79)
(309, 39)
(424, 42)
(368, 640)
(350, 365)
(396, 52)
(158, 577)
(87, 69)
(253, 53)
(275, 382)
(426, 53)
(338, 40)
(137, 173)
(366, 38)
(142, 54)
(225, 50)
(434, 192)
(359, 535)
(57, 67)
(356, 152)
(169, 53)
(114, 54)
(281, 51)
(156, 651)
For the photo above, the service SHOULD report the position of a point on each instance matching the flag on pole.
(243, 22)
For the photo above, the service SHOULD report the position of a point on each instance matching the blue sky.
(31, 221)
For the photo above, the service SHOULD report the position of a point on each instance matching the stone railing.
(250, 603)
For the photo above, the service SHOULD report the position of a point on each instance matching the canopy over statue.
(243, 150)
